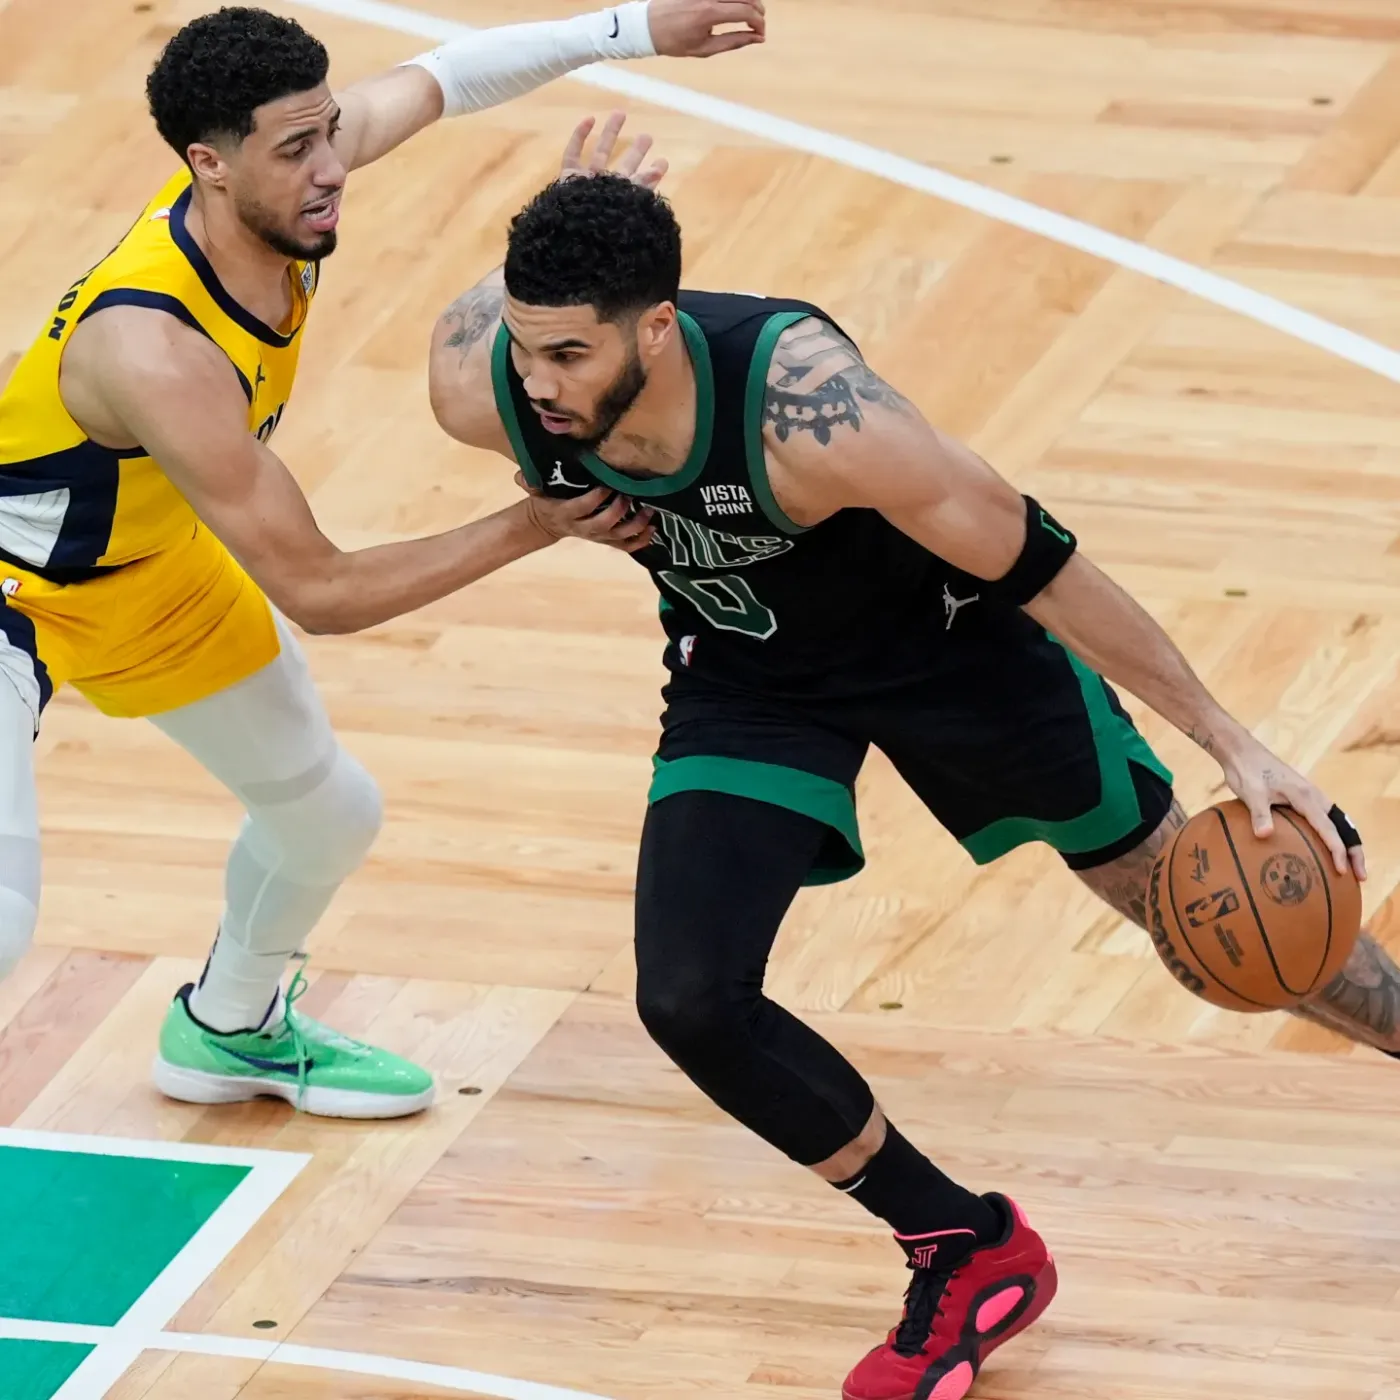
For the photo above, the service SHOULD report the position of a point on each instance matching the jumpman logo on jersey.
(557, 478)
(951, 605)
(259, 379)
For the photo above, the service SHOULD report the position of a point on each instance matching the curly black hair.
(597, 241)
(221, 67)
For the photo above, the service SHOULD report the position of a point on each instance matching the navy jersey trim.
(159, 301)
(90, 474)
(19, 632)
(234, 310)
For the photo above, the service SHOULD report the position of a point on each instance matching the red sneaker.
(954, 1318)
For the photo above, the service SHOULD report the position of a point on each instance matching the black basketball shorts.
(1004, 746)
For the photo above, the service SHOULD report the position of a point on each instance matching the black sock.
(901, 1186)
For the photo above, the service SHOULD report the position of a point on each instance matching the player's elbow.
(325, 616)
(323, 624)
(322, 604)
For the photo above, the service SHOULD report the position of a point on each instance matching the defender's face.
(581, 374)
(286, 178)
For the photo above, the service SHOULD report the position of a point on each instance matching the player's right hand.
(630, 165)
(600, 516)
(686, 28)
(1262, 782)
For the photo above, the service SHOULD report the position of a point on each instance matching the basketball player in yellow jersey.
(150, 542)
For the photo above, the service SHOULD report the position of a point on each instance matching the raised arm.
(132, 365)
(492, 66)
(839, 436)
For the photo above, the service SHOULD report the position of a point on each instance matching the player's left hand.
(1261, 781)
(630, 165)
(600, 516)
(686, 28)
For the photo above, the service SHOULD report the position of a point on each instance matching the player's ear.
(655, 327)
(207, 164)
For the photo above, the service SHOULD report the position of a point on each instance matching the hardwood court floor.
(1220, 1191)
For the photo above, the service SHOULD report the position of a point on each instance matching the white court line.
(285, 1354)
(150, 1150)
(1005, 208)
(116, 1348)
(269, 1174)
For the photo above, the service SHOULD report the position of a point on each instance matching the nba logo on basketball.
(1211, 907)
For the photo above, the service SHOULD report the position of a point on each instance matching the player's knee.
(18, 917)
(322, 837)
(692, 1017)
(351, 812)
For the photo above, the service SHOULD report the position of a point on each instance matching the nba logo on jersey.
(9, 587)
(687, 646)
(308, 276)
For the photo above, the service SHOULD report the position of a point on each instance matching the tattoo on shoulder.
(817, 382)
(471, 317)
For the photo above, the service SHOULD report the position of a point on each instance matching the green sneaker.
(314, 1068)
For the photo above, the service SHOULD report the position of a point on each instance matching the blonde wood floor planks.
(1219, 1189)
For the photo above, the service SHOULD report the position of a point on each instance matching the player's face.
(286, 178)
(583, 374)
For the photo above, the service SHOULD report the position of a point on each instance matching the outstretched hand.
(600, 516)
(687, 28)
(630, 164)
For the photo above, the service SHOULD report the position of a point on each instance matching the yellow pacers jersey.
(67, 504)
(107, 577)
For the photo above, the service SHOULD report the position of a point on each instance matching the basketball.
(1250, 924)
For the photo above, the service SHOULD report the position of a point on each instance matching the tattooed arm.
(459, 367)
(1363, 1001)
(838, 436)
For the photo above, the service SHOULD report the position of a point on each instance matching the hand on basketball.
(574, 165)
(599, 515)
(1263, 782)
(686, 28)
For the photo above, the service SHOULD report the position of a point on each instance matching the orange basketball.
(1246, 924)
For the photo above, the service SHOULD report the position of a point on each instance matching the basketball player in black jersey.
(834, 573)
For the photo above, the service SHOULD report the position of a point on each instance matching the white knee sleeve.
(313, 813)
(18, 917)
(19, 826)
(315, 828)
(301, 838)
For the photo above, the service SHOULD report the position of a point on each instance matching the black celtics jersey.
(748, 597)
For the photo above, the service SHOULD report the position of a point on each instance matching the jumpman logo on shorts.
(951, 605)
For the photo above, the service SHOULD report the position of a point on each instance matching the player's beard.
(619, 396)
(261, 221)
